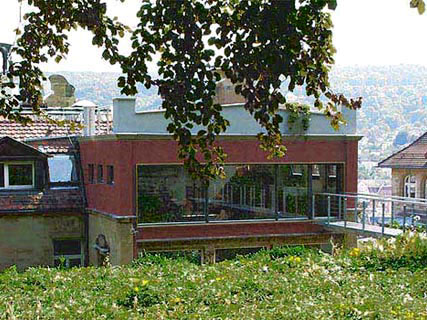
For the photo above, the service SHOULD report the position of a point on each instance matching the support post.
(312, 206)
(208, 255)
(329, 209)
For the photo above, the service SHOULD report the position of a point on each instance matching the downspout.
(79, 168)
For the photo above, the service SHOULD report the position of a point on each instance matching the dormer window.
(17, 175)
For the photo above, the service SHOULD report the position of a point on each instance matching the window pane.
(62, 169)
(110, 174)
(75, 262)
(1, 175)
(168, 194)
(100, 174)
(66, 247)
(292, 186)
(20, 174)
(248, 192)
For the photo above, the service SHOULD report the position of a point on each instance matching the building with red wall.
(139, 196)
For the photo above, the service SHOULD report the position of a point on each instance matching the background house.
(409, 169)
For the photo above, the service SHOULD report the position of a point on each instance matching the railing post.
(392, 213)
(404, 217)
(373, 211)
(355, 209)
(413, 214)
(329, 209)
(339, 207)
(364, 216)
(345, 212)
(382, 218)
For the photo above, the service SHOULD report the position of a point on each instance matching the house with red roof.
(409, 169)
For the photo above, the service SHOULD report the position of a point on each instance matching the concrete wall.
(398, 181)
(119, 235)
(126, 120)
(28, 240)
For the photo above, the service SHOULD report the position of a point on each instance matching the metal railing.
(371, 209)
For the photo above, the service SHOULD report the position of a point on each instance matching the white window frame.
(407, 186)
(68, 257)
(6, 165)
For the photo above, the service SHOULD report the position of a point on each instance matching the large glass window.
(410, 187)
(16, 175)
(168, 194)
(248, 192)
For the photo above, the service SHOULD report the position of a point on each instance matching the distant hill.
(394, 110)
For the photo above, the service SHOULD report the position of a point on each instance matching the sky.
(366, 32)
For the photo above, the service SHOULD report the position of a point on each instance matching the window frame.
(407, 184)
(7, 186)
(69, 257)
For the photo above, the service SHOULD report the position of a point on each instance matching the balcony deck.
(235, 234)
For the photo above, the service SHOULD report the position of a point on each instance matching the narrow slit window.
(100, 173)
(110, 174)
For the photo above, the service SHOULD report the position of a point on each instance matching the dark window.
(100, 173)
(20, 174)
(91, 174)
(110, 174)
(1, 175)
(67, 252)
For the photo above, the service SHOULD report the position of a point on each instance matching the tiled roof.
(43, 129)
(48, 200)
(413, 156)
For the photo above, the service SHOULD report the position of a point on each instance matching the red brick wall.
(125, 155)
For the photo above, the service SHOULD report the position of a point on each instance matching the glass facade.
(167, 193)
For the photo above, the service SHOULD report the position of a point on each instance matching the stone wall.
(118, 234)
(28, 240)
(398, 181)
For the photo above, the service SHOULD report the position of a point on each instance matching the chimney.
(124, 114)
(89, 118)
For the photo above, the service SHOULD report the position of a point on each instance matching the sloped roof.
(10, 148)
(413, 156)
(44, 129)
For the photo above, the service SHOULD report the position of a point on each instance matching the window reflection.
(62, 168)
(167, 193)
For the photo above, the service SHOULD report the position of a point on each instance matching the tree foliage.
(257, 44)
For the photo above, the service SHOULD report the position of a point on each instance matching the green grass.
(385, 281)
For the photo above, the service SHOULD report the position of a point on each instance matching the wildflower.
(136, 289)
(355, 252)
(144, 282)
(176, 300)
(297, 259)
